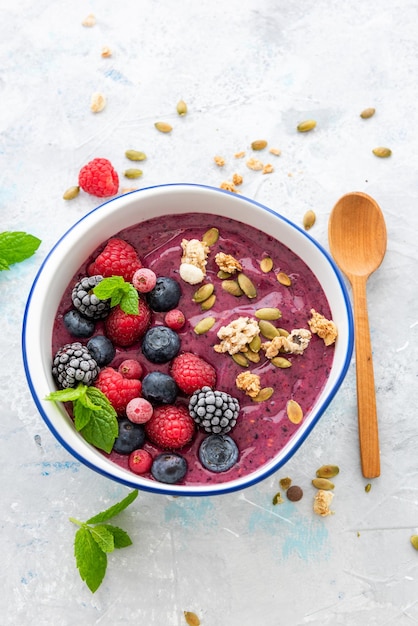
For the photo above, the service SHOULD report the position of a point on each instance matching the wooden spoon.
(357, 239)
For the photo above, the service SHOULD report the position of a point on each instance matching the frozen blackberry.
(74, 364)
(214, 411)
(86, 301)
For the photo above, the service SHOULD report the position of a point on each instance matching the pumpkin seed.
(132, 173)
(414, 541)
(264, 394)
(266, 264)
(285, 483)
(240, 359)
(382, 152)
(211, 236)
(203, 292)
(135, 155)
(281, 362)
(71, 193)
(181, 108)
(221, 274)
(323, 483)
(247, 286)
(163, 127)
(307, 125)
(284, 279)
(283, 332)
(255, 343)
(259, 144)
(268, 330)
(327, 471)
(277, 498)
(191, 618)
(254, 357)
(294, 411)
(368, 487)
(268, 313)
(204, 325)
(232, 287)
(208, 303)
(309, 219)
(369, 112)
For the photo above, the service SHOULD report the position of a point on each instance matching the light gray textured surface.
(247, 70)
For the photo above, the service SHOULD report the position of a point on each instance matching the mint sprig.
(94, 416)
(118, 291)
(16, 246)
(94, 540)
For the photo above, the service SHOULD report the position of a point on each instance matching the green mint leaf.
(114, 510)
(16, 247)
(90, 559)
(118, 291)
(82, 415)
(121, 538)
(103, 537)
(71, 394)
(129, 302)
(102, 428)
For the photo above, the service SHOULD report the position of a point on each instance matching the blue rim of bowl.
(224, 488)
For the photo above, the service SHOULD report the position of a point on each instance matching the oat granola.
(254, 164)
(324, 328)
(295, 343)
(322, 503)
(227, 263)
(236, 336)
(250, 383)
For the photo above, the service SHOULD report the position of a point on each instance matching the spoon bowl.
(357, 238)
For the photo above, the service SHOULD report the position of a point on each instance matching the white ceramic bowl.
(108, 219)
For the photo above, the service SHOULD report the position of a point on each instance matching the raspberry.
(170, 427)
(118, 258)
(191, 372)
(124, 329)
(175, 319)
(130, 368)
(117, 389)
(99, 178)
(140, 461)
(144, 280)
(139, 410)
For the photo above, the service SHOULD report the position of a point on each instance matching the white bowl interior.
(104, 222)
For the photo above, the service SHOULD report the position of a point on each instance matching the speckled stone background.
(247, 70)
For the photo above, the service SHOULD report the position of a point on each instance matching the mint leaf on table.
(16, 246)
(118, 291)
(94, 416)
(94, 541)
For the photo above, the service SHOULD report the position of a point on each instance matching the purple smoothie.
(262, 428)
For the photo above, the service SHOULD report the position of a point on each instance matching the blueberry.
(131, 437)
(218, 453)
(169, 467)
(165, 295)
(101, 349)
(159, 388)
(160, 344)
(78, 325)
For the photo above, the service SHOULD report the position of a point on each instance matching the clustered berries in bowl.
(185, 340)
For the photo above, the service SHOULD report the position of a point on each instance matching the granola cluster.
(194, 260)
(322, 503)
(249, 383)
(227, 263)
(295, 343)
(326, 329)
(236, 336)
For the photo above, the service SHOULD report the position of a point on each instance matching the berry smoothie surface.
(262, 428)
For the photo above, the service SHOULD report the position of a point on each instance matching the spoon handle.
(366, 395)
